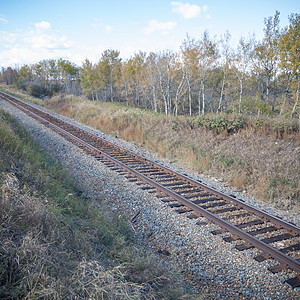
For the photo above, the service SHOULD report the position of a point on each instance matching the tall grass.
(263, 150)
(227, 146)
(56, 244)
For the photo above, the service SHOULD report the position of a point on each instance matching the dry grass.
(18, 93)
(55, 244)
(35, 264)
(255, 158)
(24, 257)
(239, 179)
(253, 153)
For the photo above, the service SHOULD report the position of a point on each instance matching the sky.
(33, 30)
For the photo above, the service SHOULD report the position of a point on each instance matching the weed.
(263, 186)
(227, 161)
(57, 245)
(240, 179)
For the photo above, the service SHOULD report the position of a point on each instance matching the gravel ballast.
(216, 269)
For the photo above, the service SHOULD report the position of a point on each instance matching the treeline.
(44, 78)
(205, 75)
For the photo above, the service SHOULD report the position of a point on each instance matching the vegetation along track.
(254, 227)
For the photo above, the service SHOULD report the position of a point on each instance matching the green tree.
(267, 59)
(68, 75)
(289, 47)
(126, 81)
(24, 77)
(87, 79)
(110, 67)
(137, 69)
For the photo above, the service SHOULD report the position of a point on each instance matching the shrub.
(219, 122)
(36, 90)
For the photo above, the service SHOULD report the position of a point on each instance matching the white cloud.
(108, 29)
(205, 8)
(38, 39)
(17, 56)
(42, 25)
(20, 55)
(154, 25)
(47, 41)
(7, 37)
(187, 10)
(76, 58)
(3, 20)
(40, 42)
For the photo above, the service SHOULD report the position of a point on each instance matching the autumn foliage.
(205, 75)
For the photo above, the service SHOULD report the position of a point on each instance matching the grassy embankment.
(258, 154)
(56, 244)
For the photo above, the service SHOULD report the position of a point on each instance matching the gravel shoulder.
(216, 269)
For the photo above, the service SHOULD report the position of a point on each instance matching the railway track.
(252, 227)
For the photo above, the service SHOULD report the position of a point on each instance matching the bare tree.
(242, 62)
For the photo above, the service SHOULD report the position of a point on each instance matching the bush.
(220, 122)
(231, 123)
(36, 90)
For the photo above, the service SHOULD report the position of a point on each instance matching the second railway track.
(253, 227)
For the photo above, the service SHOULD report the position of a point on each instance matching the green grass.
(227, 161)
(57, 244)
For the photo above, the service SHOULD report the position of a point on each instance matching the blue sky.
(32, 30)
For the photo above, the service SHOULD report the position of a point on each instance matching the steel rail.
(269, 250)
(286, 225)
